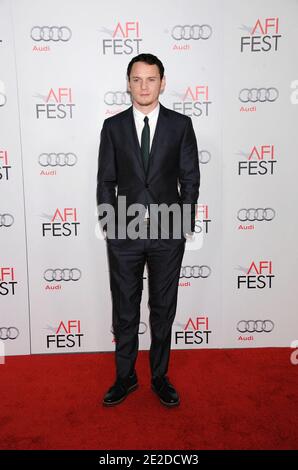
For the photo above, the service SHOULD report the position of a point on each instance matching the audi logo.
(57, 159)
(204, 156)
(142, 328)
(256, 214)
(117, 98)
(194, 31)
(195, 271)
(9, 333)
(6, 220)
(65, 274)
(255, 326)
(3, 99)
(51, 33)
(258, 94)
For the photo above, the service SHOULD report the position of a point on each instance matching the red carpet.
(230, 399)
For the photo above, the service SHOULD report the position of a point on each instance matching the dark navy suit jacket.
(173, 174)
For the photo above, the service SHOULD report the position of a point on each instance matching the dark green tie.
(145, 143)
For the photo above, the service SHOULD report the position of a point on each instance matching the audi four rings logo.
(51, 33)
(65, 274)
(57, 159)
(142, 328)
(117, 97)
(255, 326)
(256, 214)
(258, 94)
(6, 220)
(195, 271)
(9, 333)
(204, 156)
(194, 31)
(2, 99)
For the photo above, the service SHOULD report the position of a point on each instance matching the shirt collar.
(140, 116)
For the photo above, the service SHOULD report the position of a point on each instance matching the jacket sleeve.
(107, 171)
(189, 172)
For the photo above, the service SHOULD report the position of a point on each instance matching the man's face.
(145, 84)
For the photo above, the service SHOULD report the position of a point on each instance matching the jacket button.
(147, 186)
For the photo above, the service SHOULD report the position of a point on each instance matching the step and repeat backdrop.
(233, 67)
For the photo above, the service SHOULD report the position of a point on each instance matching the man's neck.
(146, 109)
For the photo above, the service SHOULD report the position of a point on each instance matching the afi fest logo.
(4, 165)
(263, 36)
(195, 331)
(260, 160)
(67, 335)
(64, 223)
(257, 276)
(203, 218)
(57, 104)
(125, 39)
(193, 102)
(7, 281)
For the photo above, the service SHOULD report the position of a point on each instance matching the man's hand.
(189, 236)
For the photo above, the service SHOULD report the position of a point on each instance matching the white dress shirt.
(139, 122)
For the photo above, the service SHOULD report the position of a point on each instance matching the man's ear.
(163, 82)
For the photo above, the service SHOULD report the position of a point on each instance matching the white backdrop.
(232, 66)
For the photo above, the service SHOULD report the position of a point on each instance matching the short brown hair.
(148, 59)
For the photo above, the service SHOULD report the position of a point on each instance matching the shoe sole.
(129, 390)
(168, 405)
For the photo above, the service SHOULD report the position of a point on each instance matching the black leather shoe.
(120, 390)
(167, 394)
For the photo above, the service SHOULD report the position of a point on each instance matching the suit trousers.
(127, 259)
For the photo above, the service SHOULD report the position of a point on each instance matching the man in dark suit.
(148, 154)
